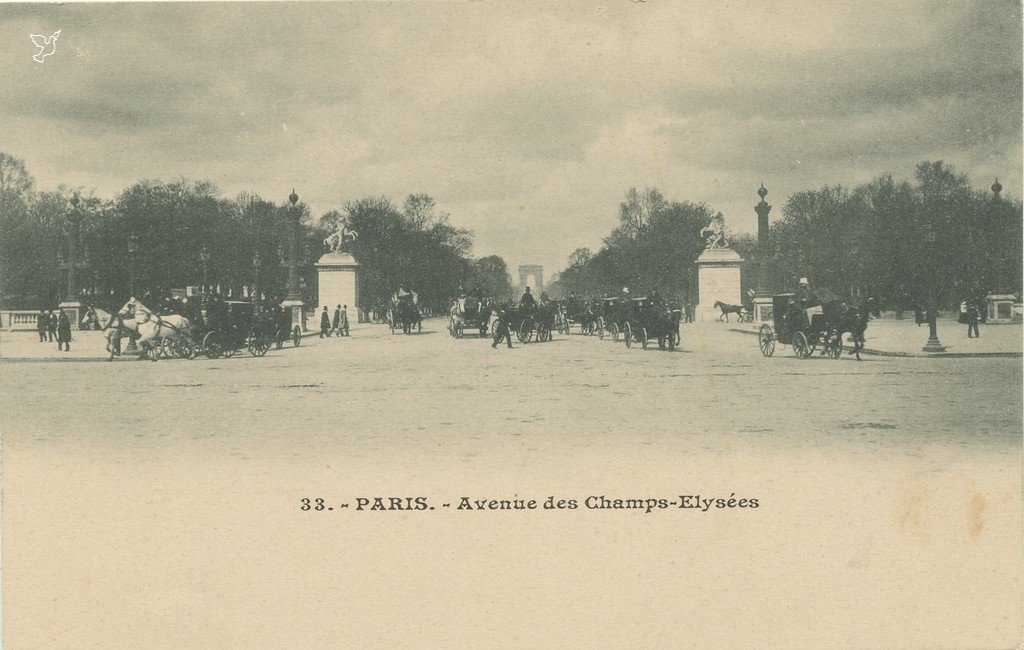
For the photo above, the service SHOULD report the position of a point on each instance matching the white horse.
(113, 326)
(152, 328)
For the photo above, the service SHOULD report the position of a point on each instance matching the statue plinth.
(75, 310)
(718, 280)
(338, 282)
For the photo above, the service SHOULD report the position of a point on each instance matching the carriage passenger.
(527, 301)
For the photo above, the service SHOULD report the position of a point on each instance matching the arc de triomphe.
(535, 271)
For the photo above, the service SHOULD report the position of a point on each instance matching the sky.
(526, 121)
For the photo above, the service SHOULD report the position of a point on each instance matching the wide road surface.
(139, 494)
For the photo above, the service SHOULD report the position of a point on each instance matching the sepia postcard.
(613, 324)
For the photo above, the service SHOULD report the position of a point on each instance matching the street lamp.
(71, 303)
(74, 234)
(256, 262)
(293, 300)
(133, 248)
(933, 344)
(204, 257)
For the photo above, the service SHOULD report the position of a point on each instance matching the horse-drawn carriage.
(233, 325)
(581, 312)
(802, 325)
(648, 318)
(521, 320)
(469, 313)
(405, 314)
(611, 318)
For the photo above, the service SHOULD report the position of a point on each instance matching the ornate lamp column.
(293, 300)
(204, 257)
(256, 262)
(933, 344)
(71, 304)
(762, 299)
(133, 248)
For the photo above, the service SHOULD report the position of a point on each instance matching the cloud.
(527, 121)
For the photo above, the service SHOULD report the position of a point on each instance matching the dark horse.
(841, 318)
(729, 309)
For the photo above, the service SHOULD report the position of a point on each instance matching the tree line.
(153, 237)
(895, 240)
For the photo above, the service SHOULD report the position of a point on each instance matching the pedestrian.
(501, 331)
(336, 322)
(344, 319)
(972, 320)
(688, 308)
(325, 323)
(63, 331)
(51, 326)
(42, 324)
(918, 315)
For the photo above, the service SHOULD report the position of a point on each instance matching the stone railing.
(18, 319)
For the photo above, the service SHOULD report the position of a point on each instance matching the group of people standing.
(337, 326)
(50, 326)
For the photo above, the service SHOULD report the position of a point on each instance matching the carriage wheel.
(184, 348)
(627, 332)
(494, 328)
(643, 337)
(211, 345)
(800, 346)
(766, 340)
(836, 346)
(279, 338)
(615, 332)
(524, 333)
(673, 340)
(600, 328)
(165, 349)
(253, 344)
(296, 336)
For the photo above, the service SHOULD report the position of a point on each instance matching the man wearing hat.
(502, 331)
(325, 323)
(803, 291)
(527, 301)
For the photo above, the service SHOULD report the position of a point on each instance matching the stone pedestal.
(298, 314)
(718, 280)
(338, 283)
(75, 311)
(763, 309)
(999, 307)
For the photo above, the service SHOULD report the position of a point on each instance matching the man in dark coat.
(63, 331)
(325, 323)
(336, 322)
(42, 324)
(343, 328)
(502, 332)
(527, 301)
(51, 326)
(972, 320)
